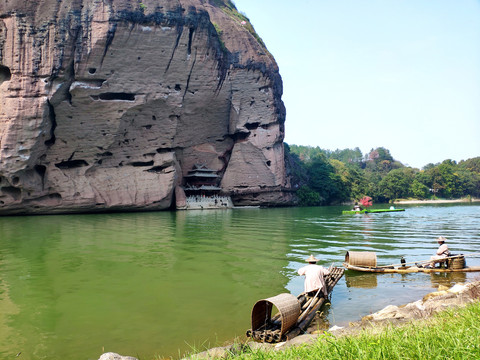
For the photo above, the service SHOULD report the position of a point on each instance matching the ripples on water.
(153, 283)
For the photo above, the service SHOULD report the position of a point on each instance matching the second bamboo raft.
(294, 313)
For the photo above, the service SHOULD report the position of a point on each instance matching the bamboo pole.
(306, 312)
(311, 315)
(307, 303)
(424, 261)
(277, 337)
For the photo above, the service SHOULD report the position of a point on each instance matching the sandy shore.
(438, 201)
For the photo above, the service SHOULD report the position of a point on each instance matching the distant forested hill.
(324, 177)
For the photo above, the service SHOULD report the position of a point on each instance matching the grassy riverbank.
(452, 334)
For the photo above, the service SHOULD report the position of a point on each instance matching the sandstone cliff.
(106, 104)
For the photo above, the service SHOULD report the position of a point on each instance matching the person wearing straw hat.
(314, 276)
(442, 251)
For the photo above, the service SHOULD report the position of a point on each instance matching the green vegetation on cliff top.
(230, 9)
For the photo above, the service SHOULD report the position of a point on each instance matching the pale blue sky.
(402, 74)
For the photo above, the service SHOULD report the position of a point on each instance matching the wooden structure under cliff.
(202, 190)
(294, 313)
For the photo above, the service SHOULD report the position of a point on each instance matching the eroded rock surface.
(107, 104)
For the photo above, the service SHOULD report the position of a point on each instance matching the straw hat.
(441, 239)
(311, 259)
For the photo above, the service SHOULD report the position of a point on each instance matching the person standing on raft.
(314, 277)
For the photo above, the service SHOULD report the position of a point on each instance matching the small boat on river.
(370, 211)
(366, 202)
(366, 261)
(294, 313)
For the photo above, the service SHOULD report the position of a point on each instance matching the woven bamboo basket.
(361, 258)
(456, 262)
(287, 305)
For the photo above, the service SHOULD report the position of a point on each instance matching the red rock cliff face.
(106, 104)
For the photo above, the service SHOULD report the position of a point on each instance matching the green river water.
(158, 284)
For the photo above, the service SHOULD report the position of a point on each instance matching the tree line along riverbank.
(324, 177)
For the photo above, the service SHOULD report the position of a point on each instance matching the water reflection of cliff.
(82, 274)
(243, 253)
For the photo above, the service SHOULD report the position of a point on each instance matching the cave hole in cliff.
(5, 73)
(14, 192)
(40, 170)
(15, 180)
(158, 169)
(190, 38)
(92, 70)
(178, 87)
(268, 163)
(141, 163)
(53, 121)
(240, 136)
(111, 96)
(71, 164)
(106, 153)
(252, 126)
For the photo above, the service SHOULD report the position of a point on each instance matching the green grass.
(452, 334)
(229, 8)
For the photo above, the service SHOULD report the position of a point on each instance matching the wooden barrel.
(456, 262)
(361, 258)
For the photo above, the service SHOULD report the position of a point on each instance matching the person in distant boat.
(314, 277)
(442, 251)
(357, 207)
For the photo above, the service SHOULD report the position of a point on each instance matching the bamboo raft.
(294, 313)
(365, 261)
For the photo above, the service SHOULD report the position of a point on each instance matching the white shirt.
(443, 250)
(314, 277)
